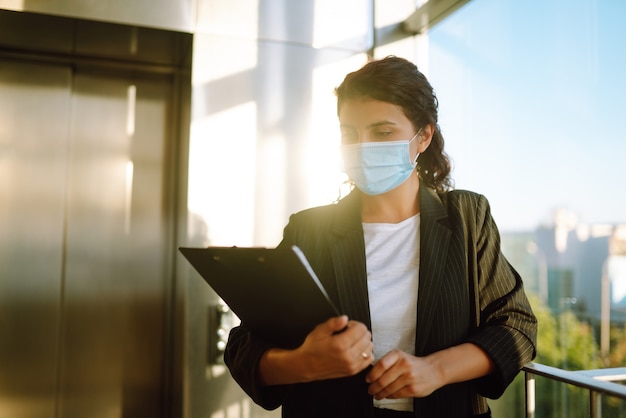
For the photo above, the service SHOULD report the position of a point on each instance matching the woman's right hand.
(335, 348)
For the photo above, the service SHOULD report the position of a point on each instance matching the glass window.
(532, 108)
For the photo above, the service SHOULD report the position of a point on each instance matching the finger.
(357, 328)
(366, 350)
(361, 344)
(383, 364)
(388, 384)
(355, 335)
(390, 379)
(365, 353)
(338, 323)
(333, 325)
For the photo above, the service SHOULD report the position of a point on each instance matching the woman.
(436, 319)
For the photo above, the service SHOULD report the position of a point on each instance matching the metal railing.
(598, 382)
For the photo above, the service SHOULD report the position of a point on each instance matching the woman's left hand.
(400, 375)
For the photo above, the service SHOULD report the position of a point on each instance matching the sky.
(532, 98)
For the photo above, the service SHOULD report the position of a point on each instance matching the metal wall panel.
(165, 14)
(109, 43)
(117, 269)
(34, 99)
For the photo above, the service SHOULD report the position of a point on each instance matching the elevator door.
(34, 137)
(85, 269)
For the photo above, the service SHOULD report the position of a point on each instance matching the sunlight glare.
(617, 276)
(236, 56)
(17, 5)
(324, 177)
(332, 28)
(222, 165)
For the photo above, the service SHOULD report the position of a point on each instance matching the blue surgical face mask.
(378, 167)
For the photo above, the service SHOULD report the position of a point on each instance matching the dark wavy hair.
(398, 81)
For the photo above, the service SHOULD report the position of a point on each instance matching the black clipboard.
(274, 291)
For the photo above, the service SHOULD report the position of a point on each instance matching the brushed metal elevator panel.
(116, 267)
(34, 126)
(83, 248)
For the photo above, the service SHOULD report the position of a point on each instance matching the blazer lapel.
(434, 243)
(347, 249)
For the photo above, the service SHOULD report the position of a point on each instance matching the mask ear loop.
(411, 140)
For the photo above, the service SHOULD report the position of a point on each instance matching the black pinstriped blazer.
(468, 292)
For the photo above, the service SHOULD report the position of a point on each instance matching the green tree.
(617, 352)
(616, 358)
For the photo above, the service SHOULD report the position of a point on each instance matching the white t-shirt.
(392, 262)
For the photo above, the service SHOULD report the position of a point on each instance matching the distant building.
(574, 266)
